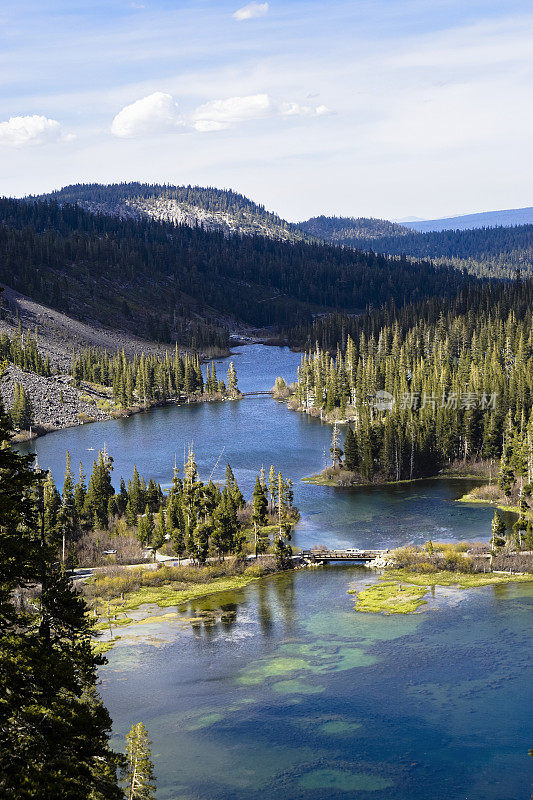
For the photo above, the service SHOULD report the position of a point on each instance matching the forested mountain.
(211, 208)
(485, 219)
(162, 280)
(485, 252)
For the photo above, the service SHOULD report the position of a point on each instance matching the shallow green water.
(290, 693)
(299, 696)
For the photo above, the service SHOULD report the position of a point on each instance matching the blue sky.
(388, 108)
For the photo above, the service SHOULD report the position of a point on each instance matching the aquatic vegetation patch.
(101, 648)
(270, 668)
(157, 618)
(205, 721)
(339, 727)
(390, 597)
(402, 591)
(363, 630)
(464, 580)
(295, 660)
(343, 780)
(106, 625)
(322, 658)
(167, 596)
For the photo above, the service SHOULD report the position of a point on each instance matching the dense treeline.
(148, 378)
(198, 519)
(143, 379)
(485, 252)
(149, 276)
(494, 298)
(460, 383)
(54, 730)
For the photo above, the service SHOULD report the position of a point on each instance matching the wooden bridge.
(352, 554)
(253, 394)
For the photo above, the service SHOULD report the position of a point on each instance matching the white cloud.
(219, 114)
(209, 125)
(296, 110)
(156, 113)
(35, 129)
(251, 11)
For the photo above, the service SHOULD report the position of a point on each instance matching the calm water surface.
(289, 693)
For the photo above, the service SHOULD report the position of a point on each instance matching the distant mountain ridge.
(484, 219)
(350, 230)
(494, 252)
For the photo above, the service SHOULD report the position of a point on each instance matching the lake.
(284, 691)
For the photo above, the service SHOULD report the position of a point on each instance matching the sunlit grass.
(390, 597)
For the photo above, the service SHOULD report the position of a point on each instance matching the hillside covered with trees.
(485, 252)
(180, 283)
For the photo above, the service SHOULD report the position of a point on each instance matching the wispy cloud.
(251, 11)
(34, 129)
(156, 113)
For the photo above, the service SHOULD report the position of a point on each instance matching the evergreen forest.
(459, 383)
(177, 283)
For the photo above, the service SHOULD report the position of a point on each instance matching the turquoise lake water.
(289, 693)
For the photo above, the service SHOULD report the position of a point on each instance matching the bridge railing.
(343, 555)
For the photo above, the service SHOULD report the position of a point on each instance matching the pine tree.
(284, 527)
(272, 487)
(233, 488)
(350, 451)
(232, 379)
(136, 495)
(68, 520)
(100, 489)
(160, 531)
(21, 412)
(80, 493)
(54, 730)
(498, 530)
(139, 777)
(335, 450)
(259, 515)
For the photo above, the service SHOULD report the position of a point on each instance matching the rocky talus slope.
(58, 334)
(55, 403)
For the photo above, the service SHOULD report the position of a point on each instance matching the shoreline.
(396, 591)
(467, 498)
(39, 430)
(111, 603)
(319, 479)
